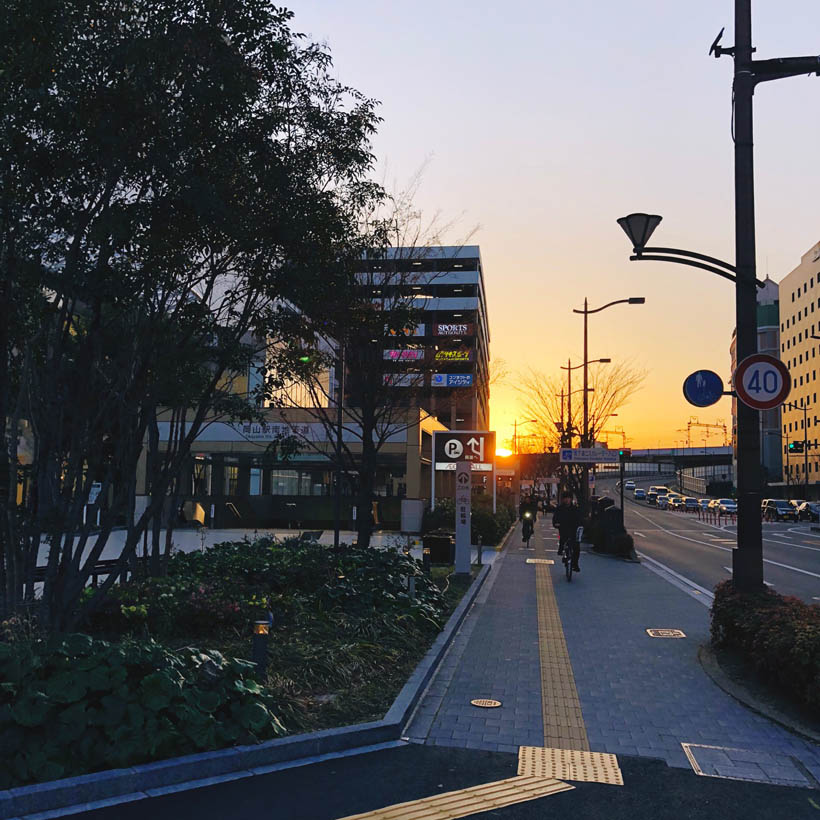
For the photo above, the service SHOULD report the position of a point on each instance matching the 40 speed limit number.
(762, 381)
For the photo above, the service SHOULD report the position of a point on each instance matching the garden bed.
(346, 635)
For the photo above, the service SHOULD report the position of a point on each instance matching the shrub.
(483, 522)
(779, 635)
(83, 705)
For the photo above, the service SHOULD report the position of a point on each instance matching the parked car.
(778, 509)
(630, 485)
(727, 505)
(662, 501)
(713, 504)
(639, 494)
(809, 511)
(690, 503)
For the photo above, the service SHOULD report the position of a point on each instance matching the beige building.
(800, 352)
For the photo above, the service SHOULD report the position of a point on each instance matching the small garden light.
(259, 644)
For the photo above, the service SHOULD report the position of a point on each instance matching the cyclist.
(567, 519)
(528, 510)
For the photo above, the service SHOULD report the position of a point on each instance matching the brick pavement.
(638, 695)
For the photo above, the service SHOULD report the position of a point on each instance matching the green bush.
(232, 584)
(491, 527)
(779, 635)
(83, 705)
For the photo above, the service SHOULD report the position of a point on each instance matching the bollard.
(425, 560)
(259, 645)
(478, 549)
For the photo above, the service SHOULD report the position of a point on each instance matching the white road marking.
(640, 534)
(792, 544)
(727, 549)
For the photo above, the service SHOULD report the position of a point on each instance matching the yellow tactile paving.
(463, 803)
(540, 561)
(569, 764)
(563, 721)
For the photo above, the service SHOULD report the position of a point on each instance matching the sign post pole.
(464, 483)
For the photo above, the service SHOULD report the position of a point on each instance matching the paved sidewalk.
(638, 695)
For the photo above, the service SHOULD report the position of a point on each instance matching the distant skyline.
(543, 123)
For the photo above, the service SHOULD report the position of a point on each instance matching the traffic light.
(625, 452)
(795, 446)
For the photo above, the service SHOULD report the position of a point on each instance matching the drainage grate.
(540, 561)
(569, 764)
(754, 765)
(486, 703)
(665, 633)
(466, 802)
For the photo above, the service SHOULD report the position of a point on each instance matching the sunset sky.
(542, 122)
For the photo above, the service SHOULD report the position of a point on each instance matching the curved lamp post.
(632, 300)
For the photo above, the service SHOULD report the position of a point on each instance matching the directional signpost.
(762, 382)
(464, 484)
(476, 447)
(588, 455)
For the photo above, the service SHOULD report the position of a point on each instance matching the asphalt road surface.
(352, 785)
(703, 552)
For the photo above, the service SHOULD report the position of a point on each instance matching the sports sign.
(453, 356)
(454, 329)
(451, 380)
(762, 382)
(589, 455)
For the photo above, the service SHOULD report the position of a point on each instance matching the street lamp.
(632, 300)
(515, 432)
(747, 559)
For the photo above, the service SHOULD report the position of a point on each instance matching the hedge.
(490, 527)
(779, 635)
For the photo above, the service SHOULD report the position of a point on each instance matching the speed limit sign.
(762, 382)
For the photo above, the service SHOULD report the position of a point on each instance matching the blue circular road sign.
(703, 388)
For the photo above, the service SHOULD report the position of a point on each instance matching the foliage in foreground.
(779, 635)
(84, 705)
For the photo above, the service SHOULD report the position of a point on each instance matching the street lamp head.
(604, 361)
(639, 227)
(637, 300)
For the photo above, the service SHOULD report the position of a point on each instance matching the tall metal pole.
(805, 453)
(585, 443)
(569, 401)
(747, 559)
(337, 506)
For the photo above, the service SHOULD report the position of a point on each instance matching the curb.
(740, 693)
(75, 794)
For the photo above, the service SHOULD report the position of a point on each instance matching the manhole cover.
(665, 633)
(486, 703)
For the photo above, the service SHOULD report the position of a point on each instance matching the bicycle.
(527, 528)
(572, 552)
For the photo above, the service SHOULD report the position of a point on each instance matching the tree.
(169, 175)
(559, 423)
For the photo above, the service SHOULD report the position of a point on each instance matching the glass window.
(201, 477)
(256, 481)
(231, 480)
(284, 482)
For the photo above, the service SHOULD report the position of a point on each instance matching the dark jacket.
(567, 519)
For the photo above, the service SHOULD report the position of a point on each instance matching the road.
(703, 552)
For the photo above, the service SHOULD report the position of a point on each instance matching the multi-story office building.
(799, 345)
(445, 359)
(768, 341)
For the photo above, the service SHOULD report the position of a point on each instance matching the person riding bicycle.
(528, 510)
(567, 519)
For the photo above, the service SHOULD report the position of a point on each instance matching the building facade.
(446, 357)
(799, 346)
(768, 341)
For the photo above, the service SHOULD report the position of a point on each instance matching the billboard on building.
(451, 380)
(454, 329)
(458, 356)
(403, 355)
